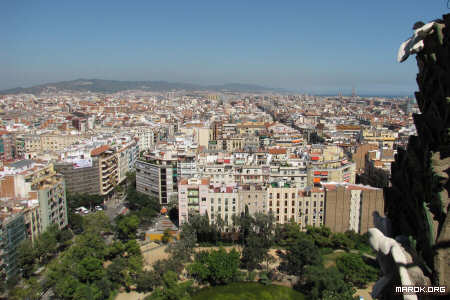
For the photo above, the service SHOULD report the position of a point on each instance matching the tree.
(115, 249)
(90, 269)
(26, 256)
(126, 227)
(46, 245)
(301, 253)
(216, 266)
(87, 292)
(66, 286)
(355, 270)
(97, 223)
(321, 236)
(287, 234)
(31, 290)
(76, 222)
(64, 238)
(117, 272)
(320, 283)
(341, 241)
(171, 289)
(183, 248)
(223, 266)
(146, 281)
(205, 232)
(253, 253)
(259, 240)
(244, 221)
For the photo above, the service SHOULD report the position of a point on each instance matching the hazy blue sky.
(314, 46)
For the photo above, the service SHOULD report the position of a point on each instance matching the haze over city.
(321, 47)
(210, 150)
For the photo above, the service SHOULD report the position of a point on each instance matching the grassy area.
(248, 291)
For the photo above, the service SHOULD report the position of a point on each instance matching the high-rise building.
(7, 146)
(157, 176)
(12, 232)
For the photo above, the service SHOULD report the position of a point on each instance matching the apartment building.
(127, 154)
(331, 171)
(224, 203)
(157, 176)
(254, 197)
(220, 171)
(108, 162)
(293, 172)
(39, 183)
(351, 206)
(193, 198)
(56, 141)
(81, 176)
(145, 135)
(12, 232)
(303, 206)
(7, 146)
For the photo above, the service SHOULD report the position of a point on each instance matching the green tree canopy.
(171, 289)
(300, 253)
(321, 283)
(355, 270)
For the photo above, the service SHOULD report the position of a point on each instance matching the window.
(285, 210)
(270, 203)
(270, 196)
(285, 203)
(278, 195)
(293, 203)
(293, 195)
(203, 199)
(315, 204)
(285, 195)
(278, 203)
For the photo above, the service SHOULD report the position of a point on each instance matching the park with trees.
(98, 257)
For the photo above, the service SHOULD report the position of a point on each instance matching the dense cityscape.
(307, 160)
(178, 176)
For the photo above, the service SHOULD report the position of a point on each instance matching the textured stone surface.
(417, 203)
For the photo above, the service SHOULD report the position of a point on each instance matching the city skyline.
(319, 48)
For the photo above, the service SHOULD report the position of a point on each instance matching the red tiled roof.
(277, 151)
(99, 150)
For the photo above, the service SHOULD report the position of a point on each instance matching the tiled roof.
(99, 150)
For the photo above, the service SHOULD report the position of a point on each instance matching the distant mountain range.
(112, 86)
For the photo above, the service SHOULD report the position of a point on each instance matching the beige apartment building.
(352, 207)
(254, 197)
(305, 207)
